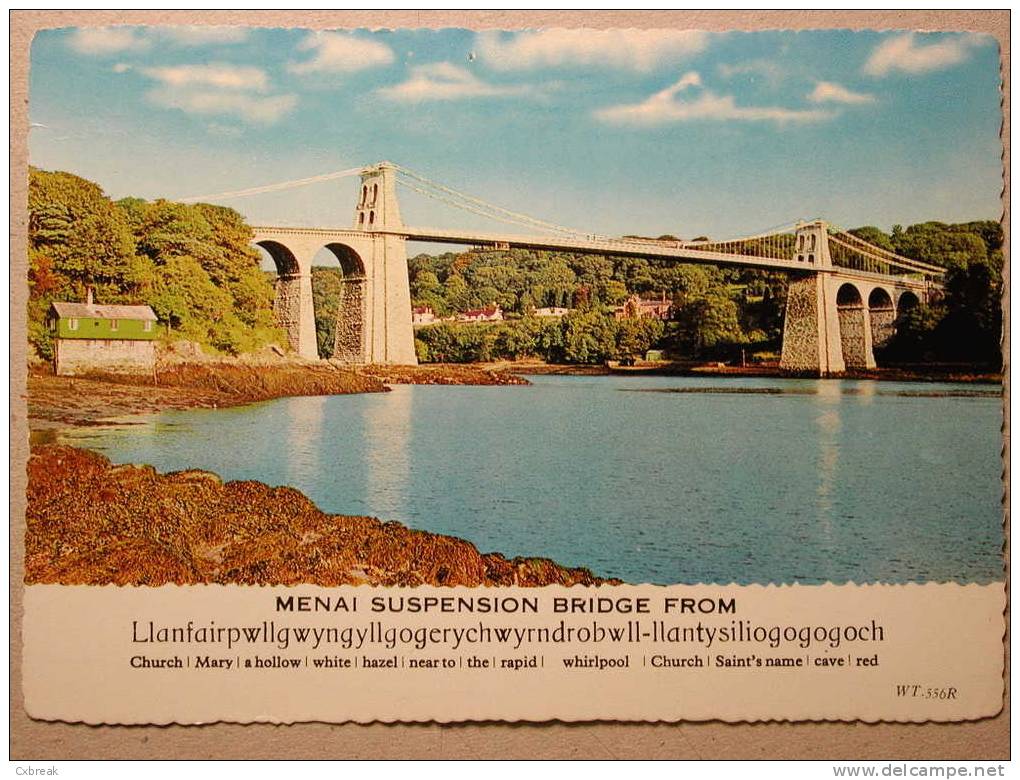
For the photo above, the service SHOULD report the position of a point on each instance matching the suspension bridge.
(845, 295)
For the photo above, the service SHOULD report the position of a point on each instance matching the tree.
(457, 293)
(194, 264)
(327, 297)
(705, 323)
(589, 336)
(875, 236)
(636, 335)
(85, 237)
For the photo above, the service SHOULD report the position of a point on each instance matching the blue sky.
(645, 132)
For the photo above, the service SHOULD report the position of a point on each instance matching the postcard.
(406, 374)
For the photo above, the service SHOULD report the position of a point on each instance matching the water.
(650, 479)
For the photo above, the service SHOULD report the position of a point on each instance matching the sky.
(612, 132)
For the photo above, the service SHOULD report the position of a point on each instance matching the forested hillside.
(965, 325)
(717, 313)
(194, 264)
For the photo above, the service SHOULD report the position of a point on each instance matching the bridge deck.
(646, 249)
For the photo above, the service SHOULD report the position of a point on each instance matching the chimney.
(88, 296)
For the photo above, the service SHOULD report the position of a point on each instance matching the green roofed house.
(102, 337)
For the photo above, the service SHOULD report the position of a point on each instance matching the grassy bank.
(92, 523)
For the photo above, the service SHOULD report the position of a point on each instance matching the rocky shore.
(59, 402)
(443, 374)
(92, 523)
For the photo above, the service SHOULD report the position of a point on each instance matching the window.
(361, 218)
(375, 192)
(72, 324)
(147, 327)
(364, 194)
(371, 218)
(114, 324)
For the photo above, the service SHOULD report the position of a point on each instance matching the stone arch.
(288, 291)
(905, 303)
(882, 314)
(283, 258)
(854, 327)
(349, 330)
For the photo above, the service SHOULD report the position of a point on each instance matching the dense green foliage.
(586, 335)
(965, 324)
(194, 264)
(717, 313)
(327, 294)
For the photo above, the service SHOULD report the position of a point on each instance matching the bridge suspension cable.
(277, 187)
(850, 251)
(477, 205)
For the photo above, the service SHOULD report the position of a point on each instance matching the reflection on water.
(302, 453)
(829, 427)
(671, 480)
(387, 423)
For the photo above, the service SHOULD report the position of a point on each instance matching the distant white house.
(551, 311)
(490, 313)
(422, 315)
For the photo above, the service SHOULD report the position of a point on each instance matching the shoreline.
(56, 403)
(98, 399)
(933, 373)
(90, 522)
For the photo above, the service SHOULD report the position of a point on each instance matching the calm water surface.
(650, 479)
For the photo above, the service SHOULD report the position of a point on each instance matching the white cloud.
(830, 92)
(112, 40)
(335, 52)
(107, 40)
(225, 131)
(218, 75)
(215, 89)
(770, 71)
(638, 50)
(668, 106)
(259, 109)
(445, 81)
(197, 35)
(904, 53)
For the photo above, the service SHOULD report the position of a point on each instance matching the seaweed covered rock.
(92, 523)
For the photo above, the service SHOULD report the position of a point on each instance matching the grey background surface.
(30, 739)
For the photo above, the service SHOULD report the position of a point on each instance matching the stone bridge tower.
(836, 315)
(811, 340)
(373, 321)
(386, 291)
